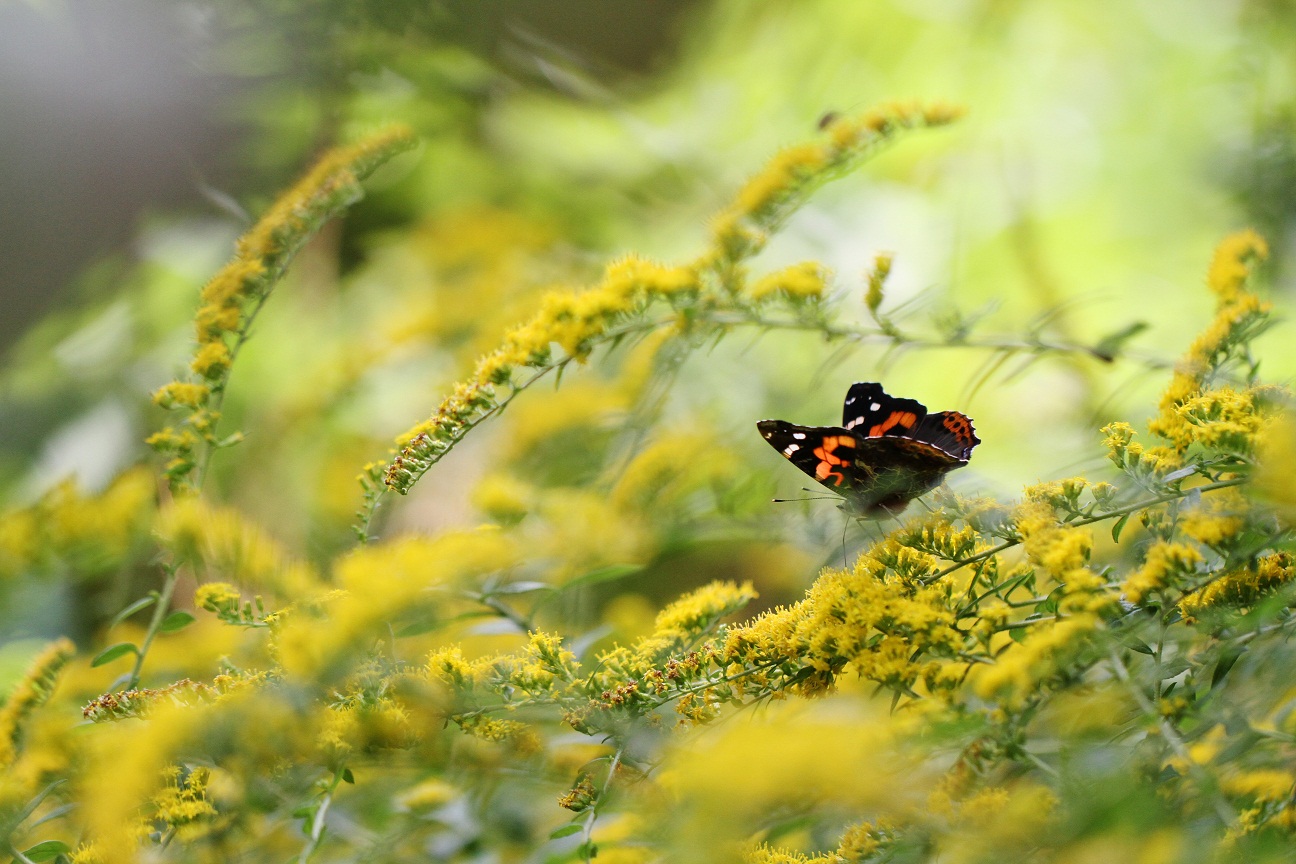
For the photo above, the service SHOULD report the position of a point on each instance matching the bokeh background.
(1107, 147)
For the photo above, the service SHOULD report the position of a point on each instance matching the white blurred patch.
(101, 343)
(93, 448)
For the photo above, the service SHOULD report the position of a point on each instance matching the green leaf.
(1138, 645)
(1179, 474)
(1109, 346)
(1225, 665)
(46, 850)
(177, 620)
(564, 831)
(1118, 527)
(347, 776)
(112, 652)
(604, 574)
(142, 603)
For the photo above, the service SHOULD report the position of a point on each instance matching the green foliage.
(610, 644)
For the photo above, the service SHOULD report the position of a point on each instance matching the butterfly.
(886, 453)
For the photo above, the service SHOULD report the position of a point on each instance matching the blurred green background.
(1107, 147)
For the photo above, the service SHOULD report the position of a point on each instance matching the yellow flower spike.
(32, 691)
(182, 802)
(724, 786)
(94, 533)
(1218, 519)
(1261, 785)
(212, 360)
(1163, 564)
(580, 321)
(1023, 666)
(669, 470)
(876, 280)
(1277, 463)
(181, 395)
(1238, 310)
(226, 542)
(1056, 548)
(1234, 258)
(217, 597)
(1241, 588)
(261, 257)
(800, 282)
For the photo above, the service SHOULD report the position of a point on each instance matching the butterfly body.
(887, 451)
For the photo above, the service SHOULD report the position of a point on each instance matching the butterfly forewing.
(826, 453)
(870, 412)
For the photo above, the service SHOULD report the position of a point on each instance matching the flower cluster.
(231, 300)
(578, 321)
(944, 692)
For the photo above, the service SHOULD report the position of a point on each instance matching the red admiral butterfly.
(886, 453)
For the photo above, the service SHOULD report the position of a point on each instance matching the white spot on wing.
(798, 435)
(790, 449)
(875, 406)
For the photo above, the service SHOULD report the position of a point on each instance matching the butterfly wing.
(950, 432)
(870, 412)
(826, 453)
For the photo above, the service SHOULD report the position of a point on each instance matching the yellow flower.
(1240, 588)
(1231, 266)
(426, 796)
(1219, 518)
(180, 394)
(1261, 784)
(876, 279)
(212, 360)
(1164, 562)
(1019, 671)
(32, 691)
(503, 498)
(217, 597)
(1237, 312)
(804, 281)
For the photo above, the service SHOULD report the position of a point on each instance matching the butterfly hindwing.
(948, 431)
(826, 453)
(869, 412)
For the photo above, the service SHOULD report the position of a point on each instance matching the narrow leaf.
(142, 603)
(177, 620)
(1108, 346)
(46, 850)
(1187, 471)
(1118, 527)
(604, 574)
(564, 831)
(112, 652)
(1224, 666)
(1138, 645)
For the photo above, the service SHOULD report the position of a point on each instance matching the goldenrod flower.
(32, 691)
(1164, 564)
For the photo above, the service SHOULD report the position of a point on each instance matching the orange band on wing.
(825, 453)
(906, 419)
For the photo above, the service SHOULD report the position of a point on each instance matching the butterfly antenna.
(845, 562)
(925, 504)
(793, 500)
